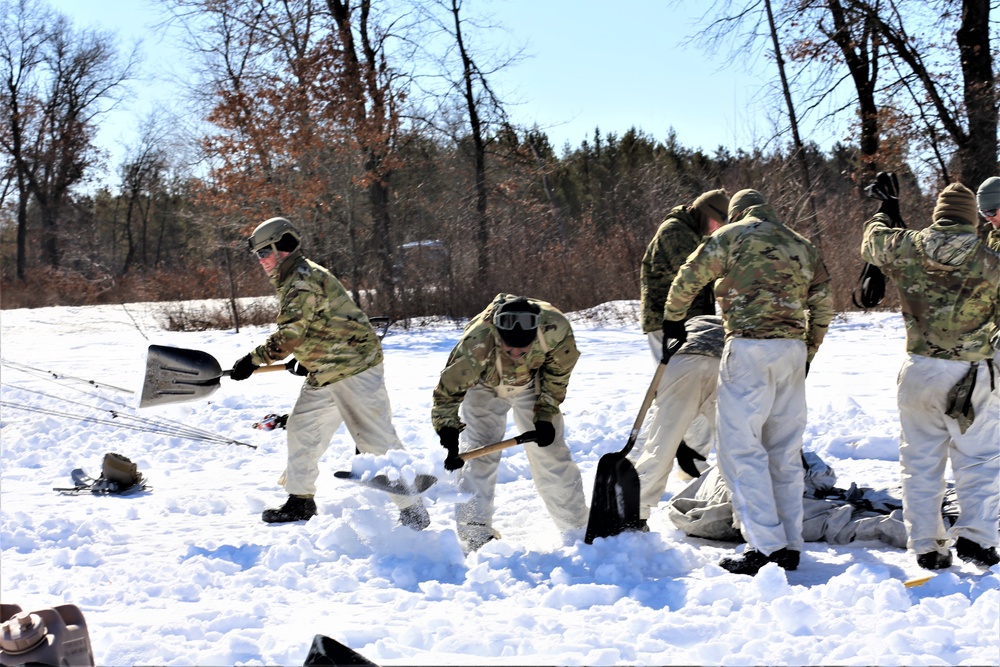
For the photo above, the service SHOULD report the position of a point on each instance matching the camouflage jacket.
(319, 324)
(771, 281)
(473, 361)
(948, 282)
(677, 237)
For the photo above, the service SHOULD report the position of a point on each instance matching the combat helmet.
(273, 232)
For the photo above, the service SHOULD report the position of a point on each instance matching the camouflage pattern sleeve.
(467, 363)
(881, 242)
(702, 267)
(993, 239)
(293, 322)
(820, 311)
(674, 241)
(560, 360)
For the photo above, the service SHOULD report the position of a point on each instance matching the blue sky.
(589, 64)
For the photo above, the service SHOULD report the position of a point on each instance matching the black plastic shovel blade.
(327, 651)
(176, 375)
(614, 506)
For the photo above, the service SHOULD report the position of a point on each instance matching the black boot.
(971, 552)
(787, 559)
(415, 517)
(749, 562)
(752, 560)
(934, 560)
(296, 508)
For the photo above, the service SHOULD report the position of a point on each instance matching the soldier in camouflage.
(988, 201)
(774, 293)
(684, 398)
(677, 237)
(335, 347)
(949, 290)
(517, 354)
(684, 229)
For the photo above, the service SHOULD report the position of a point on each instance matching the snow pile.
(188, 574)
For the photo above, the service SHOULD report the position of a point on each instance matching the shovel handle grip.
(529, 436)
(260, 369)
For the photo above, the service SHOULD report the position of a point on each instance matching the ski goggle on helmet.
(510, 319)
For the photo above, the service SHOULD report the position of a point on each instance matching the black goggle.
(990, 213)
(264, 252)
(506, 321)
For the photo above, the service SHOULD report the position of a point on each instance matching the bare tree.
(59, 81)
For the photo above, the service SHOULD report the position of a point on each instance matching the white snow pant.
(683, 409)
(556, 476)
(360, 401)
(761, 416)
(929, 437)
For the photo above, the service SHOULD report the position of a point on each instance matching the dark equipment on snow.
(614, 505)
(423, 482)
(326, 651)
(119, 477)
(871, 283)
(50, 636)
(177, 375)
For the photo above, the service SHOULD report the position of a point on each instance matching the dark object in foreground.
(326, 651)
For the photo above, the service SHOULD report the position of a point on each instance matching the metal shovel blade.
(177, 375)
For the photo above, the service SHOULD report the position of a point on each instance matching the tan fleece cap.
(956, 201)
(712, 204)
(743, 200)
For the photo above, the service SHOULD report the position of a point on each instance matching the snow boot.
(415, 516)
(934, 560)
(752, 560)
(749, 562)
(296, 508)
(474, 535)
(971, 552)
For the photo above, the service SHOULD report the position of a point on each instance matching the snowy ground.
(187, 574)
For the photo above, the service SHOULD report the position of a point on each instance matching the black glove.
(243, 368)
(886, 189)
(673, 330)
(686, 458)
(296, 368)
(449, 440)
(545, 433)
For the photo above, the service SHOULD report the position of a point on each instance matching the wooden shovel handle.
(529, 436)
(260, 369)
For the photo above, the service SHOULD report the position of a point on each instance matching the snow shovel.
(614, 505)
(422, 482)
(176, 375)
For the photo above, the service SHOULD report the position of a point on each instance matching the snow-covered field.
(187, 574)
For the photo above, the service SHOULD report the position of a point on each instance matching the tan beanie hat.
(956, 201)
(743, 200)
(712, 204)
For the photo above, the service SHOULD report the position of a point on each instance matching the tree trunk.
(479, 149)
(978, 154)
(800, 152)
